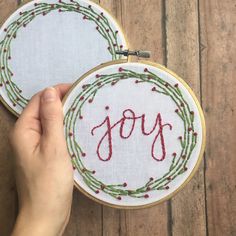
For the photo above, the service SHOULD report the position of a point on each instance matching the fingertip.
(49, 95)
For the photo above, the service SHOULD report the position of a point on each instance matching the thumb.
(51, 115)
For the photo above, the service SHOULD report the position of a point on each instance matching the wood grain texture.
(218, 62)
(182, 35)
(196, 39)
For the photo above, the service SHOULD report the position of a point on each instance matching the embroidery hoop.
(114, 24)
(203, 141)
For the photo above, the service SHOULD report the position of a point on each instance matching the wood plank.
(142, 18)
(8, 196)
(188, 208)
(218, 37)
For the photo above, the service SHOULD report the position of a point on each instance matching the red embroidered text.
(126, 131)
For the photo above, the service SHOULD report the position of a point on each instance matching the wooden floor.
(196, 39)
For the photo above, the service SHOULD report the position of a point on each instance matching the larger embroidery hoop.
(101, 38)
(181, 163)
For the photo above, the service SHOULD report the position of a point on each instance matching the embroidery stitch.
(133, 118)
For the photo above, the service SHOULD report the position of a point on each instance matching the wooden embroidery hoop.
(202, 124)
(22, 3)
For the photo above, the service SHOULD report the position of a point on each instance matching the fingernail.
(49, 94)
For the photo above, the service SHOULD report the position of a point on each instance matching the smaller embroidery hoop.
(22, 4)
(203, 144)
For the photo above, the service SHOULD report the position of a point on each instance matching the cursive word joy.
(125, 131)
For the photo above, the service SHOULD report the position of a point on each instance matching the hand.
(44, 173)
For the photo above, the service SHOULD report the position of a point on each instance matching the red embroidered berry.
(195, 134)
(73, 109)
(93, 172)
(113, 83)
(176, 85)
(151, 179)
(71, 0)
(190, 129)
(121, 46)
(107, 30)
(145, 70)
(59, 1)
(74, 168)
(114, 44)
(81, 98)
(102, 13)
(84, 17)
(24, 25)
(59, 10)
(83, 154)
(20, 13)
(81, 117)
(185, 168)
(180, 138)
(5, 30)
(119, 198)
(176, 110)
(7, 82)
(97, 76)
(70, 134)
(44, 13)
(52, 5)
(148, 188)
(120, 69)
(169, 178)
(136, 81)
(90, 6)
(154, 89)
(32, 13)
(84, 86)
(90, 100)
(107, 107)
(124, 184)
(167, 187)
(97, 28)
(9, 58)
(36, 4)
(109, 48)
(1, 84)
(97, 191)
(146, 196)
(14, 104)
(174, 154)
